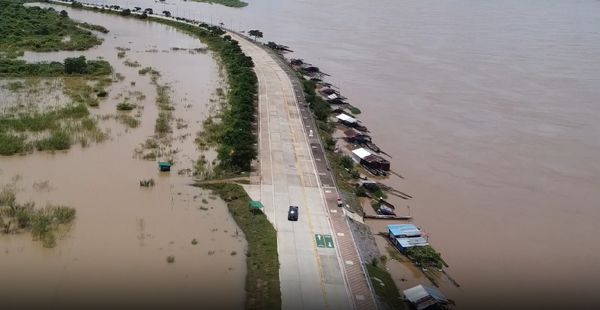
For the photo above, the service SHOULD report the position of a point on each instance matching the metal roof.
(408, 230)
(346, 118)
(422, 297)
(412, 242)
(361, 153)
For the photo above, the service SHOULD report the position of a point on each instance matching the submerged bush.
(41, 222)
(125, 106)
(62, 214)
(11, 144)
(58, 140)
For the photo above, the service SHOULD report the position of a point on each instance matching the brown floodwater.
(114, 253)
(489, 110)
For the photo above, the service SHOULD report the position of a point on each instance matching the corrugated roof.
(412, 242)
(409, 230)
(435, 293)
(346, 118)
(422, 297)
(361, 153)
(414, 294)
(419, 297)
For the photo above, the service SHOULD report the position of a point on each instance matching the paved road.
(320, 267)
(310, 273)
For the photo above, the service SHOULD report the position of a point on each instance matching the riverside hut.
(422, 297)
(370, 161)
(405, 236)
(354, 136)
(347, 120)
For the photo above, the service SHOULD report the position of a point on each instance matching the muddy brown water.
(114, 254)
(490, 112)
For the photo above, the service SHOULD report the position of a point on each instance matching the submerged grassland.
(42, 223)
(41, 30)
(25, 128)
(37, 124)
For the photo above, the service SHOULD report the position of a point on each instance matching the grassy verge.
(384, 287)
(229, 3)
(262, 279)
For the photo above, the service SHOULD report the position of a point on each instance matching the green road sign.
(328, 241)
(320, 240)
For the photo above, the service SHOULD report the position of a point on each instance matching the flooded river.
(114, 255)
(490, 112)
(488, 108)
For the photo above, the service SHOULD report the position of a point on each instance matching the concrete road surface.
(311, 273)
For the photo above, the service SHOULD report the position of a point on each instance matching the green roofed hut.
(256, 205)
(164, 166)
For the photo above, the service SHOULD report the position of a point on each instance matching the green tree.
(64, 14)
(347, 162)
(255, 33)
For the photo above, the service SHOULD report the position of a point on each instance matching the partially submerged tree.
(255, 33)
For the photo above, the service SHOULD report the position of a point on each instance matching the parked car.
(293, 213)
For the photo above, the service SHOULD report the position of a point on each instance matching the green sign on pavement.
(328, 241)
(320, 240)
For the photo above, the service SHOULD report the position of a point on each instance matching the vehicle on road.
(293, 213)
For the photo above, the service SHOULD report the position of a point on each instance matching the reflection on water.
(114, 255)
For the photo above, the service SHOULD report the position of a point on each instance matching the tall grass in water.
(42, 223)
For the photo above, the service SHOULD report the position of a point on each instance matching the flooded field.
(114, 253)
(488, 109)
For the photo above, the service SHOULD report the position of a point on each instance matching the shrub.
(62, 215)
(346, 162)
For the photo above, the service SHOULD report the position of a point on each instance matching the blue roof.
(412, 242)
(408, 230)
(435, 293)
